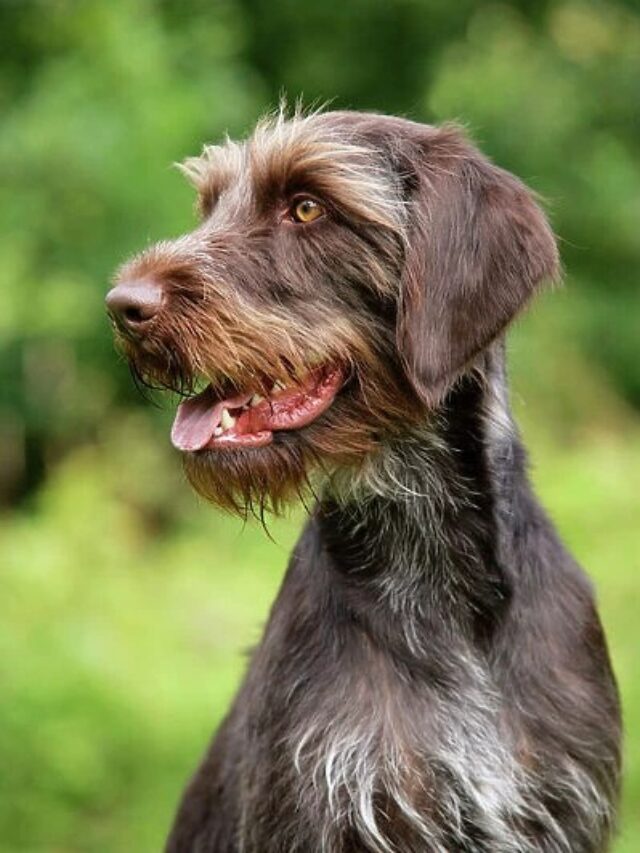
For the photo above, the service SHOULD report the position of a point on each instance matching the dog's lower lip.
(247, 420)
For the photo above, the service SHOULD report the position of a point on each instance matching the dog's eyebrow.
(344, 174)
(303, 152)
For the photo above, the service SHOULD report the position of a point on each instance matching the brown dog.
(433, 676)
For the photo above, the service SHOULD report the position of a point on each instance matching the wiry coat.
(433, 675)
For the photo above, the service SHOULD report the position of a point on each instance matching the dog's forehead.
(323, 153)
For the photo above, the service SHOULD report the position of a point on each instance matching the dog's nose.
(134, 304)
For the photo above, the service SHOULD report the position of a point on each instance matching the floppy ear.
(478, 249)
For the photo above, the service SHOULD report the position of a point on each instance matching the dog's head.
(347, 269)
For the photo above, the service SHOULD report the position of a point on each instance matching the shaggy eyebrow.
(350, 176)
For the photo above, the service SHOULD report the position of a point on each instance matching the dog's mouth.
(209, 421)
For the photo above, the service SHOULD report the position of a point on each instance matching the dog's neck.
(427, 553)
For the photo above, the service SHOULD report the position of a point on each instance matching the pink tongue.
(197, 418)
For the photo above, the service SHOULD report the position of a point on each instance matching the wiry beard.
(374, 404)
(297, 465)
(252, 481)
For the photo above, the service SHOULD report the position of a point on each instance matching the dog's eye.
(306, 210)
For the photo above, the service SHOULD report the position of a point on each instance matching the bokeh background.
(125, 604)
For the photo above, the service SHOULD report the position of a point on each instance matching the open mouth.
(207, 422)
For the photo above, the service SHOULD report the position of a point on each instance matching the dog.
(433, 675)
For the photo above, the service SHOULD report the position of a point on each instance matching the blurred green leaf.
(125, 603)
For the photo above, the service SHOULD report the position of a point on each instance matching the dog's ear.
(478, 248)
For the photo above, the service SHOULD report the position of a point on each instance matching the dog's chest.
(385, 768)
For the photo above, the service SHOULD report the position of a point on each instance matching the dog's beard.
(298, 465)
(370, 404)
(243, 480)
(250, 481)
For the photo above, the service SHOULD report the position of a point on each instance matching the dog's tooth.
(227, 420)
(217, 432)
(278, 386)
(257, 398)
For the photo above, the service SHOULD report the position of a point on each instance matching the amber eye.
(306, 210)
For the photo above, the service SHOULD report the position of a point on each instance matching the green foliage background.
(125, 604)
